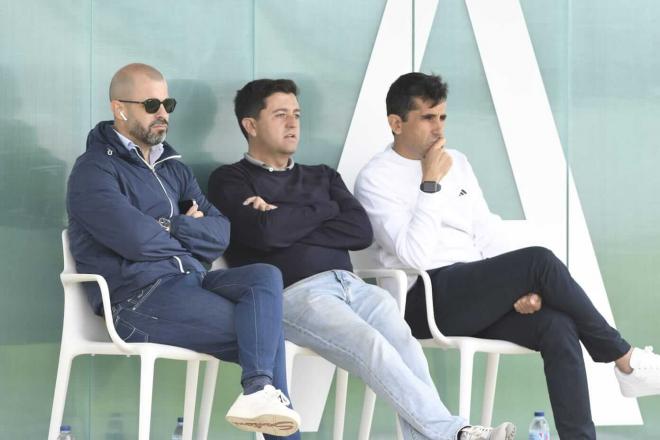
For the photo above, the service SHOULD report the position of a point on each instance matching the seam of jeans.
(216, 289)
(412, 416)
(179, 323)
(256, 329)
(146, 294)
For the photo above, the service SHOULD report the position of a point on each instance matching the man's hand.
(194, 211)
(436, 162)
(530, 303)
(258, 203)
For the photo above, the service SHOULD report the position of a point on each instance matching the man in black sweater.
(304, 220)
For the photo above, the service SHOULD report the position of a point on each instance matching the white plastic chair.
(85, 333)
(467, 347)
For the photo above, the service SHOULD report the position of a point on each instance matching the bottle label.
(539, 436)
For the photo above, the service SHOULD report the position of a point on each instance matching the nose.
(161, 113)
(291, 121)
(439, 127)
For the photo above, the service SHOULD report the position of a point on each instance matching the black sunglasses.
(152, 105)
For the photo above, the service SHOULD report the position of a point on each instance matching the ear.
(116, 107)
(395, 122)
(250, 126)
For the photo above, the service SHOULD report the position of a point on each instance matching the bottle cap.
(65, 428)
(539, 414)
(179, 420)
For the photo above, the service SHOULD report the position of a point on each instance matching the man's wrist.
(430, 177)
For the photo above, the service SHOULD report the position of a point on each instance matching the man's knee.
(266, 275)
(543, 261)
(542, 255)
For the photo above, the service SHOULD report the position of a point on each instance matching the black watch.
(429, 186)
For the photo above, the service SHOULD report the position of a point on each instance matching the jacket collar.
(104, 138)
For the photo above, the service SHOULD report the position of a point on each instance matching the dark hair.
(400, 97)
(251, 99)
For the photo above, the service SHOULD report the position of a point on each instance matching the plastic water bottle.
(65, 433)
(178, 431)
(539, 429)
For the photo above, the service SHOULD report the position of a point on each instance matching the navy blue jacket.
(114, 201)
(316, 223)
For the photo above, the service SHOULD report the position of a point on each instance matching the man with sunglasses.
(127, 222)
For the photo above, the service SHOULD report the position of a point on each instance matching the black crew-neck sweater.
(316, 222)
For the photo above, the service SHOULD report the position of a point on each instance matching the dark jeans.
(232, 314)
(476, 299)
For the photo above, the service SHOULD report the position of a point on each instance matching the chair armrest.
(73, 278)
(401, 283)
(430, 311)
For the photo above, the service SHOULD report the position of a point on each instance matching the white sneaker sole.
(273, 424)
(631, 389)
(633, 393)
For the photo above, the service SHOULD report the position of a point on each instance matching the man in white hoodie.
(428, 212)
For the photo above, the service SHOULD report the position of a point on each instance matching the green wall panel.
(325, 48)
(614, 156)
(472, 125)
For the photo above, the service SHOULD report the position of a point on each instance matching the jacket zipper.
(153, 171)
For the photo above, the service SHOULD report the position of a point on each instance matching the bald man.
(138, 217)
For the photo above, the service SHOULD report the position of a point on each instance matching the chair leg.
(341, 392)
(192, 374)
(465, 387)
(59, 397)
(368, 406)
(146, 395)
(492, 364)
(210, 377)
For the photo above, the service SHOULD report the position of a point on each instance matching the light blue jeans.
(358, 327)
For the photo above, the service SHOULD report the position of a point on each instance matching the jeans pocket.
(145, 294)
(129, 332)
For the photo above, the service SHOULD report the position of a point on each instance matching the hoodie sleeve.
(96, 202)
(205, 237)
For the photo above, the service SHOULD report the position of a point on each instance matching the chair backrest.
(366, 258)
(80, 323)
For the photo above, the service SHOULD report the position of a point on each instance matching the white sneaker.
(265, 411)
(645, 378)
(506, 431)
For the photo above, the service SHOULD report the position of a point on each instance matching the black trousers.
(476, 299)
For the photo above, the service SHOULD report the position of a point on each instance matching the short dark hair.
(251, 99)
(400, 97)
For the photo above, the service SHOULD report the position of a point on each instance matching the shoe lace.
(474, 431)
(279, 395)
